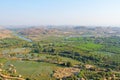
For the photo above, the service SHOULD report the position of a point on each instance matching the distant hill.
(39, 31)
(4, 33)
(43, 32)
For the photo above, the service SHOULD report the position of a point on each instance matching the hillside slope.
(4, 33)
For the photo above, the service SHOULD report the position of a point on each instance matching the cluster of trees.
(12, 43)
(103, 52)
(99, 56)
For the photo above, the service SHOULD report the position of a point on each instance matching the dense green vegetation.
(40, 58)
(87, 50)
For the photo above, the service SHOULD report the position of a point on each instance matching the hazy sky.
(60, 12)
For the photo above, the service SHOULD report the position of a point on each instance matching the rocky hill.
(4, 33)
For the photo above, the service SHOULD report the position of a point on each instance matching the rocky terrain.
(4, 33)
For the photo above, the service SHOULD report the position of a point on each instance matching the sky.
(60, 12)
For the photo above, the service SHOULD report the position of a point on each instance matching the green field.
(35, 70)
(39, 59)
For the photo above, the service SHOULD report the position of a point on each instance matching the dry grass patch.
(65, 72)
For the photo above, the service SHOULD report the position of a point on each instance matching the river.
(22, 37)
